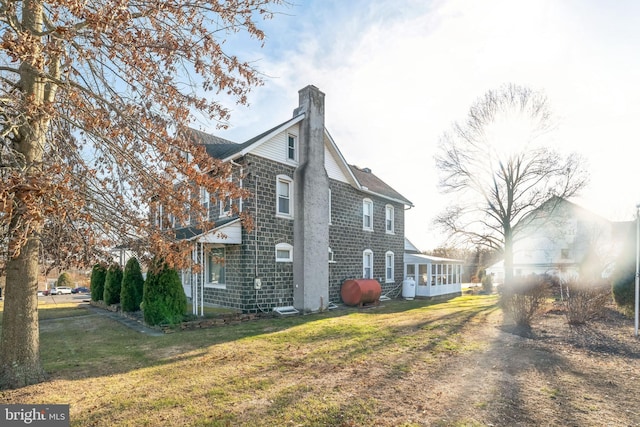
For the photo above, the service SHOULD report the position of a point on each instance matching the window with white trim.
(226, 203)
(205, 200)
(292, 148)
(388, 267)
(158, 216)
(389, 219)
(367, 264)
(284, 195)
(331, 259)
(215, 267)
(284, 252)
(367, 214)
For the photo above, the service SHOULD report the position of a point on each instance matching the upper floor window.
(331, 259)
(158, 216)
(389, 270)
(284, 252)
(215, 267)
(367, 214)
(389, 219)
(292, 148)
(205, 199)
(284, 190)
(226, 203)
(367, 264)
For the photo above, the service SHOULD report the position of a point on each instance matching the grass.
(300, 370)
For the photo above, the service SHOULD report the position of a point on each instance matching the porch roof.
(427, 259)
(228, 232)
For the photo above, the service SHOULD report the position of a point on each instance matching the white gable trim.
(342, 163)
(265, 138)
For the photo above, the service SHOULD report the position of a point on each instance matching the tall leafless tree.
(501, 168)
(96, 98)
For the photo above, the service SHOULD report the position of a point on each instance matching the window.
(411, 271)
(388, 266)
(215, 267)
(284, 195)
(292, 148)
(331, 260)
(389, 219)
(564, 253)
(367, 215)
(226, 203)
(284, 252)
(367, 264)
(158, 216)
(204, 201)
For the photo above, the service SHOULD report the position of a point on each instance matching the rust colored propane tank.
(360, 291)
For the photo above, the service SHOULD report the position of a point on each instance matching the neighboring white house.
(557, 239)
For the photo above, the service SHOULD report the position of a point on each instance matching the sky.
(398, 73)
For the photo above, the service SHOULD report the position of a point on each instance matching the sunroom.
(433, 276)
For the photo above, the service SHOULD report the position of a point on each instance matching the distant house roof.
(371, 183)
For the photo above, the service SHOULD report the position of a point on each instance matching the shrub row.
(160, 296)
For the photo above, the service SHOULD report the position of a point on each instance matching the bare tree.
(96, 98)
(501, 170)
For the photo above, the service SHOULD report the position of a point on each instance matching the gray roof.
(374, 184)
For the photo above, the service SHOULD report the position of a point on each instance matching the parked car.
(62, 290)
(80, 290)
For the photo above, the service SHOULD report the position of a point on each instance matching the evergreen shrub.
(98, 276)
(624, 287)
(112, 285)
(164, 301)
(132, 286)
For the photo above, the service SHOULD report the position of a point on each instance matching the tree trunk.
(20, 342)
(508, 258)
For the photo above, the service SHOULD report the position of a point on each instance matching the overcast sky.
(398, 73)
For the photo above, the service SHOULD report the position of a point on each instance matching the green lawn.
(301, 370)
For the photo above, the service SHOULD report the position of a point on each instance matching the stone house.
(318, 221)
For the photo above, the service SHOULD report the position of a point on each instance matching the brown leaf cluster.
(95, 102)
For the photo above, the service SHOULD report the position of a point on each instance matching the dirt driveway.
(557, 376)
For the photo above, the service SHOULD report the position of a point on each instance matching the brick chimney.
(311, 214)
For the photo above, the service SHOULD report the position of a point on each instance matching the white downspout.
(202, 281)
(194, 277)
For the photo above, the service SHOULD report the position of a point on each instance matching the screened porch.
(433, 276)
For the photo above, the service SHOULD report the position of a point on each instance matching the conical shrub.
(98, 276)
(132, 286)
(164, 301)
(112, 285)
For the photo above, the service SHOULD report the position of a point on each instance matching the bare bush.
(523, 298)
(586, 300)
